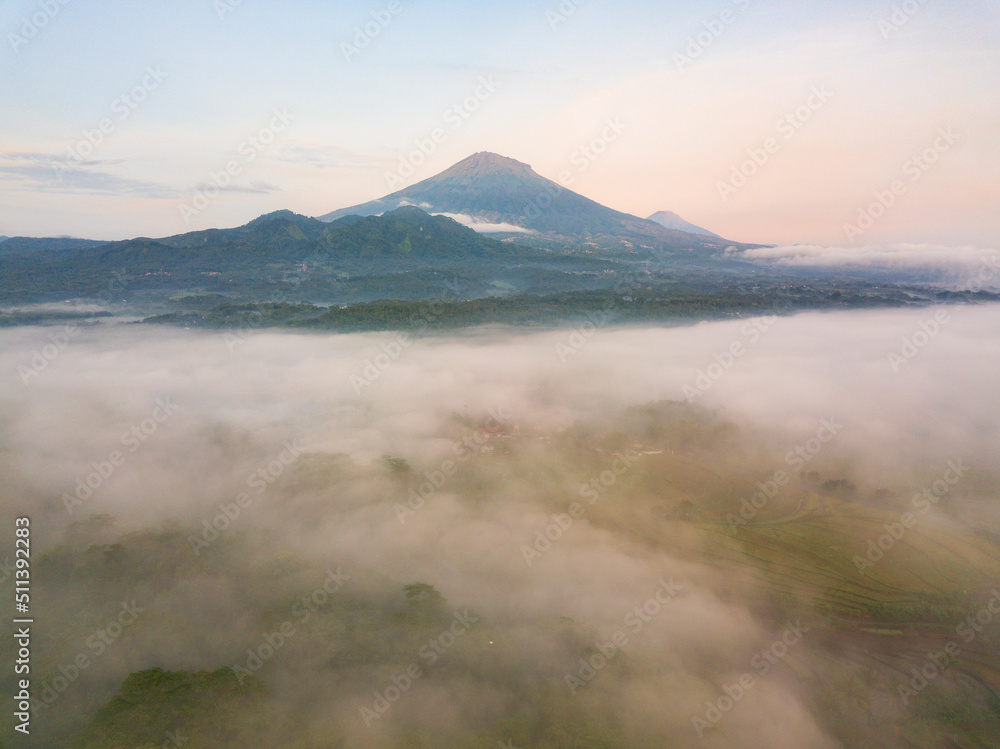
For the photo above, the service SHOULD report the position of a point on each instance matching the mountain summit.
(497, 194)
(485, 164)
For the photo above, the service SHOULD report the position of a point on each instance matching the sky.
(767, 121)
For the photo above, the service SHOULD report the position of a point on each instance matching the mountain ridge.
(489, 189)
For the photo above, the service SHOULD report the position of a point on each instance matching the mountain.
(265, 269)
(507, 197)
(671, 220)
(400, 254)
(401, 239)
(534, 237)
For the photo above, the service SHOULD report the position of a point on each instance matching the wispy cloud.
(485, 227)
(37, 157)
(324, 157)
(962, 267)
(254, 187)
(423, 206)
(45, 172)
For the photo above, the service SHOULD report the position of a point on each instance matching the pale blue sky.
(352, 121)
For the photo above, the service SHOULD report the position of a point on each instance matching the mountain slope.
(506, 194)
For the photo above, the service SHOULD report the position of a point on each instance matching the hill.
(284, 255)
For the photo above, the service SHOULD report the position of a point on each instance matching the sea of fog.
(165, 424)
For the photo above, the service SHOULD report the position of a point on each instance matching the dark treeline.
(600, 307)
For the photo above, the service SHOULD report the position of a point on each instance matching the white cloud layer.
(484, 227)
(236, 408)
(960, 267)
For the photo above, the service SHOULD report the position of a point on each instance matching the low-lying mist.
(555, 489)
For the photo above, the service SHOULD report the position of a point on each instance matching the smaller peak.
(661, 215)
(670, 220)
